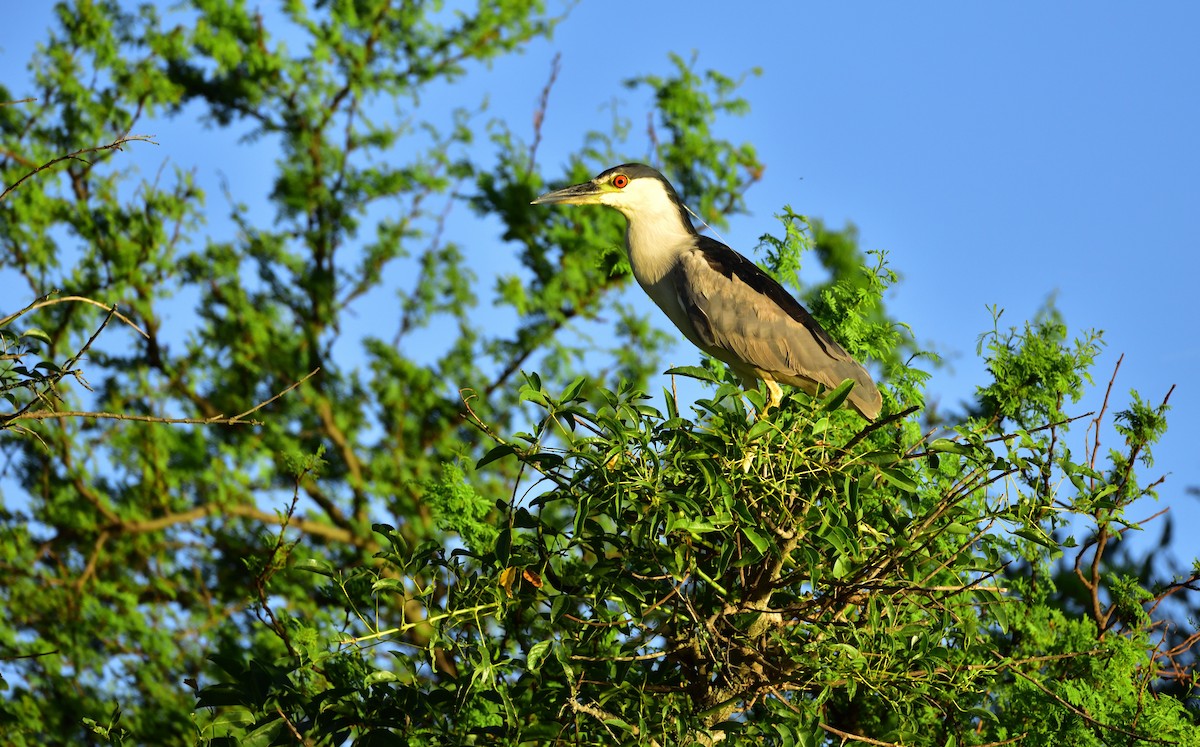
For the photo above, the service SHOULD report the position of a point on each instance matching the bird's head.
(633, 188)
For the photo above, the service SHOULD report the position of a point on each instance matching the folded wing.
(745, 318)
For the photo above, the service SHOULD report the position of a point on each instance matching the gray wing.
(742, 316)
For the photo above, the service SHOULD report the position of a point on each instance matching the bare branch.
(856, 737)
(239, 419)
(42, 303)
(114, 145)
(539, 114)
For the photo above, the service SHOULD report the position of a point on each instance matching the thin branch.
(239, 419)
(292, 727)
(539, 114)
(1100, 415)
(427, 621)
(1084, 714)
(1008, 436)
(63, 414)
(638, 657)
(259, 406)
(90, 570)
(41, 303)
(877, 425)
(856, 737)
(1176, 586)
(115, 145)
(269, 569)
(313, 528)
(38, 655)
(41, 396)
(602, 716)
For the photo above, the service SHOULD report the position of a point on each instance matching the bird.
(722, 302)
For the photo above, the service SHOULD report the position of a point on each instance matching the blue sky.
(1001, 153)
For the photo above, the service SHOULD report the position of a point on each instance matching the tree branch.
(76, 156)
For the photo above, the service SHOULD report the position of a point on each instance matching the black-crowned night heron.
(721, 301)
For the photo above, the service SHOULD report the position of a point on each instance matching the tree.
(144, 537)
(431, 548)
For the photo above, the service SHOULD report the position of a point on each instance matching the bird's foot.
(774, 398)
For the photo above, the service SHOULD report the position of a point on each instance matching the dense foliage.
(235, 514)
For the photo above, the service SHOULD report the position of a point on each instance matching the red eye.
(619, 181)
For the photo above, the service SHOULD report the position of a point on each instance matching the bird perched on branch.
(721, 301)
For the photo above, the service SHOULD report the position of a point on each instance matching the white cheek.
(618, 200)
(643, 195)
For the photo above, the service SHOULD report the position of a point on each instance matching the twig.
(1188, 584)
(637, 657)
(43, 303)
(856, 737)
(41, 396)
(115, 145)
(427, 621)
(272, 566)
(291, 727)
(259, 406)
(90, 570)
(539, 114)
(215, 420)
(1010, 436)
(600, 715)
(242, 511)
(877, 425)
(1103, 408)
(38, 655)
(1084, 714)
(63, 414)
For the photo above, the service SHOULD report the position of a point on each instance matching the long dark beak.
(578, 194)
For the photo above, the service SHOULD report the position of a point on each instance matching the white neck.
(656, 235)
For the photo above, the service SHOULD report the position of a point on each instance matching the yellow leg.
(774, 397)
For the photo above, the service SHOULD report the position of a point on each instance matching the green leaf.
(394, 585)
(1036, 535)
(688, 524)
(264, 735)
(618, 723)
(537, 654)
(528, 393)
(496, 452)
(318, 566)
(885, 458)
(899, 479)
(760, 429)
(37, 334)
(230, 720)
(757, 538)
(838, 396)
(380, 677)
(694, 372)
(572, 390)
(847, 650)
(947, 446)
(503, 545)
